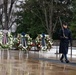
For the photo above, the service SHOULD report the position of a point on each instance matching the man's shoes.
(67, 61)
(61, 60)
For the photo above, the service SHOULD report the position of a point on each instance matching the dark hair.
(64, 23)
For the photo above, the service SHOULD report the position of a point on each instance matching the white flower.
(0, 33)
(41, 35)
(44, 48)
(27, 35)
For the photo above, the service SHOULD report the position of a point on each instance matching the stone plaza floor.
(14, 62)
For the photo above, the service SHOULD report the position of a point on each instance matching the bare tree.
(48, 16)
(7, 13)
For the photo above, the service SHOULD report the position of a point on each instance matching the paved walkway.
(55, 49)
(53, 53)
(52, 57)
(14, 62)
(73, 64)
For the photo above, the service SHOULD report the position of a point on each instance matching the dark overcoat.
(64, 42)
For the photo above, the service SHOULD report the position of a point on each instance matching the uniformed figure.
(65, 38)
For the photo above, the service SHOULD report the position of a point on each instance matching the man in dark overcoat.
(65, 37)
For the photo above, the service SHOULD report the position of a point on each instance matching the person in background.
(65, 37)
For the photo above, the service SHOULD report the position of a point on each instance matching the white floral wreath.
(47, 39)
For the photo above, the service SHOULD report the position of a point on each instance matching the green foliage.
(73, 29)
(73, 22)
(30, 22)
(31, 19)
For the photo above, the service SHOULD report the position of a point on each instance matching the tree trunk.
(50, 18)
(6, 14)
(46, 20)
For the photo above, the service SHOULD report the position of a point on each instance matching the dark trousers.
(64, 56)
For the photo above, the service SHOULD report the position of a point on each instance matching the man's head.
(65, 25)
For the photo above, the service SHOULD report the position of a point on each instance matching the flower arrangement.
(6, 46)
(29, 41)
(16, 42)
(18, 45)
(44, 48)
(48, 42)
(38, 41)
(1, 36)
(21, 47)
